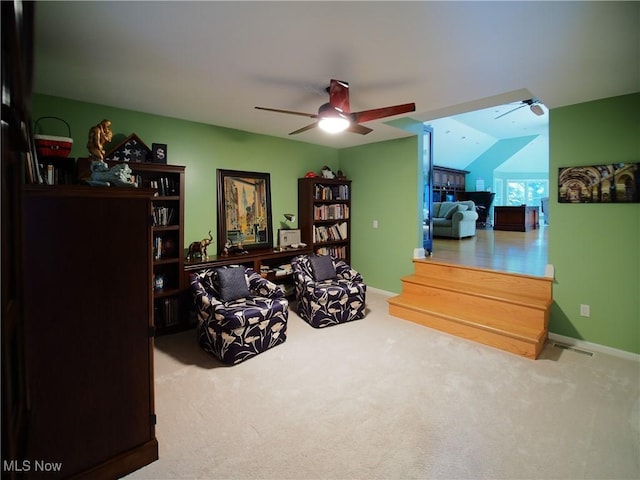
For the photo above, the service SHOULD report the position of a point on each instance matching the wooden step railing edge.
(541, 334)
(535, 303)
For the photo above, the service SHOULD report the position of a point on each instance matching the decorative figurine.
(200, 248)
(327, 172)
(231, 249)
(99, 136)
(119, 175)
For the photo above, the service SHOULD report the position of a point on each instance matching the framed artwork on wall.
(244, 210)
(607, 183)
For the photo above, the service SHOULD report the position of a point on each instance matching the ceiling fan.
(533, 103)
(336, 116)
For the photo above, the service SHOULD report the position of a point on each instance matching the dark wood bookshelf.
(324, 215)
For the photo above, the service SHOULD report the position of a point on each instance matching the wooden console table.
(254, 259)
(518, 219)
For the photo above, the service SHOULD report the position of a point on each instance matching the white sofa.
(454, 219)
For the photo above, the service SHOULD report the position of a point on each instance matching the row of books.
(165, 186)
(331, 212)
(331, 192)
(338, 251)
(57, 176)
(166, 312)
(339, 231)
(164, 247)
(49, 173)
(163, 216)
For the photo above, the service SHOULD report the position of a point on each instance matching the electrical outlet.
(375, 224)
(585, 310)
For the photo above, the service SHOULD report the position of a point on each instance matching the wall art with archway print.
(609, 183)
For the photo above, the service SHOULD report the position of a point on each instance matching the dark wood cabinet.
(77, 355)
(447, 183)
(324, 207)
(17, 74)
(87, 262)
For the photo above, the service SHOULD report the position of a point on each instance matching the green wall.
(385, 188)
(595, 248)
(202, 149)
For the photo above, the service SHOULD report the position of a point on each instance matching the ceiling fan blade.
(304, 129)
(368, 115)
(310, 115)
(361, 129)
(339, 95)
(512, 110)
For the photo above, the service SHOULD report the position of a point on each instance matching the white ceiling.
(212, 62)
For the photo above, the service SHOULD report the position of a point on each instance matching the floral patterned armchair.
(240, 314)
(328, 291)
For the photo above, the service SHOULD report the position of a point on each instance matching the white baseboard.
(595, 347)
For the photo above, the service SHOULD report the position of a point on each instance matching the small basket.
(52, 146)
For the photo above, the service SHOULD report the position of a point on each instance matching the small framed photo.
(287, 238)
(159, 152)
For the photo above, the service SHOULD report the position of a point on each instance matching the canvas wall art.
(608, 183)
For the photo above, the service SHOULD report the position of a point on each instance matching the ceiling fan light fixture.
(332, 119)
(537, 109)
(334, 124)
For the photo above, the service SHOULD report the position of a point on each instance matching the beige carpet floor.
(383, 398)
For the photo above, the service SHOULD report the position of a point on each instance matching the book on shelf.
(165, 186)
(336, 232)
(331, 192)
(337, 251)
(163, 216)
(166, 312)
(331, 212)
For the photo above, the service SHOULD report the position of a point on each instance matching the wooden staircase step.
(481, 289)
(492, 282)
(527, 343)
(502, 310)
(481, 319)
(481, 306)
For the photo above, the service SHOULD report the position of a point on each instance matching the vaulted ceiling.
(213, 62)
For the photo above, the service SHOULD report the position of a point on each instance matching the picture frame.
(288, 237)
(606, 183)
(159, 153)
(244, 210)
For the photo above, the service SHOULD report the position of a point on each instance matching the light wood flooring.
(513, 252)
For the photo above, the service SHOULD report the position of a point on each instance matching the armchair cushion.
(447, 210)
(233, 283)
(322, 267)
